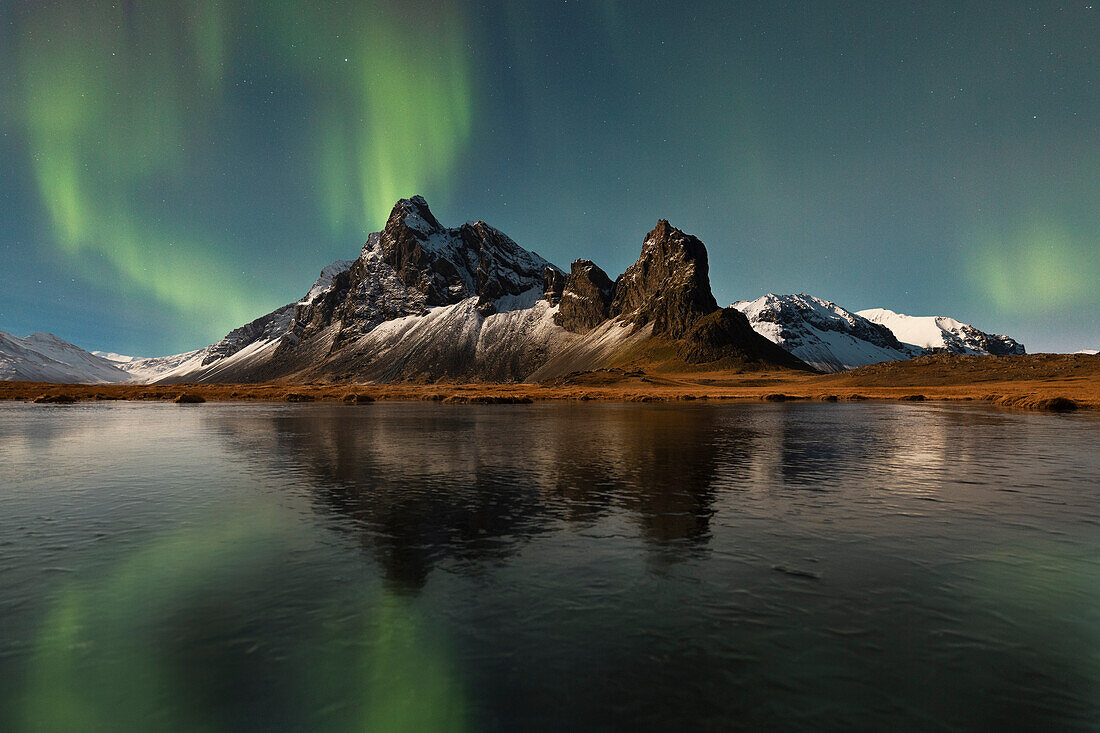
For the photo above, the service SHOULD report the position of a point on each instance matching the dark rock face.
(669, 285)
(553, 285)
(727, 333)
(416, 263)
(449, 265)
(586, 298)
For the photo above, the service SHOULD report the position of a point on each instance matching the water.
(614, 567)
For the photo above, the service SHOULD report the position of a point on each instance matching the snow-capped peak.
(43, 357)
(821, 333)
(942, 332)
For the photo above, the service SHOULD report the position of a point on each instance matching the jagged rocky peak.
(586, 298)
(669, 285)
(449, 265)
(416, 263)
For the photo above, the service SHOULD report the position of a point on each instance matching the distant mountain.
(43, 357)
(823, 334)
(942, 333)
(830, 338)
(1088, 351)
(426, 302)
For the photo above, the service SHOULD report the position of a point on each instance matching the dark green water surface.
(423, 567)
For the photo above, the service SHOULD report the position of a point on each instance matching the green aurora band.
(1042, 265)
(393, 111)
(113, 99)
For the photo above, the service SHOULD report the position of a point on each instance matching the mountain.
(43, 357)
(1089, 352)
(427, 302)
(831, 339)
(937, 333)
(823, 334)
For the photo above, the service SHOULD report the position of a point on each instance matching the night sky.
(169, 171)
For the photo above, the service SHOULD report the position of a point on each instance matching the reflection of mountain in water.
(426, 484)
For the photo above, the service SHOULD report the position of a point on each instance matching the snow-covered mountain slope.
(821, 333)
(942, 333)
(831, 338)
(240, 346)
(43, 357)
(152, 369)
(457, 339)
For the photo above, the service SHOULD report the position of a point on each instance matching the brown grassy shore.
(1038, 381)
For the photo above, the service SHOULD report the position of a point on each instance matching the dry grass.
(1041, 381)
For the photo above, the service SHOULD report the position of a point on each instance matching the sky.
(169, 171)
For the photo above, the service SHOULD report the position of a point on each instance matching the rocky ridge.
(669, 285)
(585, 299)
(426, 302)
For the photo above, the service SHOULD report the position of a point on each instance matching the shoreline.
(1036, 382)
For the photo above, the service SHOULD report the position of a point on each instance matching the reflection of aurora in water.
(177, 627)
(427, 567)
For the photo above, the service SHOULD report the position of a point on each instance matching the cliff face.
(669, 285)
(586, 298)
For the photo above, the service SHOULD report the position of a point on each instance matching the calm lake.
(430, 567)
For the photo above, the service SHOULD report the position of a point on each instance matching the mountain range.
(831, 339)
(424, 302)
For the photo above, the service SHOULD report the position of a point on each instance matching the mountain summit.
(669, 285)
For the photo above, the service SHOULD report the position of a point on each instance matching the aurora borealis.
(172, 170)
